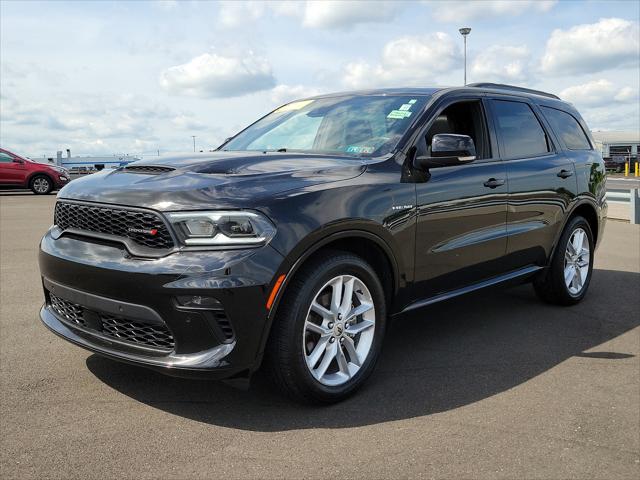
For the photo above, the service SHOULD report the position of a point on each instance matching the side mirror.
(17, 160)
(448, 149)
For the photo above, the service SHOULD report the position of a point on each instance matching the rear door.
(542, 180)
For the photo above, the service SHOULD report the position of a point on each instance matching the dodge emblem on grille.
(151, 231)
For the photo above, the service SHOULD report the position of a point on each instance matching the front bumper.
(60, 180)
(206, 360)
(105, 281)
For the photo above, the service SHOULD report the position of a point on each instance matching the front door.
(12, 172)
(462, 210)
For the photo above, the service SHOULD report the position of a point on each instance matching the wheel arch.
(40, 173)
(360, 241)
(587, 209)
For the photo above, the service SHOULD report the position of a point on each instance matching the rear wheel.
(567, 279)
(41, 185)
(328, 331)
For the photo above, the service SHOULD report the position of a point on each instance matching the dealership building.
(618, 147)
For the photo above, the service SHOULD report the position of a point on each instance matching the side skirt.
(522, 272)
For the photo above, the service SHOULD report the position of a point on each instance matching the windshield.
(352, 125)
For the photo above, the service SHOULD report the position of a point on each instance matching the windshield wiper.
(281, 150)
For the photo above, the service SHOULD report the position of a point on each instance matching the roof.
(617, 137)
(384, 91)
(492, 87)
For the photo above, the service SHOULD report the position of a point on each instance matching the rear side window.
(568, 128)
(521, 133)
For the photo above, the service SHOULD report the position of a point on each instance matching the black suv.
(294, 243)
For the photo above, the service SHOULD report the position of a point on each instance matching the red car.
(17, 171)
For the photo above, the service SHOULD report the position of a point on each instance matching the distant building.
(618, 144)
(91, 163)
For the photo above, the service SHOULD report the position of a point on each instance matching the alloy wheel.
(339, 330)
(41, 185)
(576, 261)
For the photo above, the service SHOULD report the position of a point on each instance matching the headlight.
(218, 228)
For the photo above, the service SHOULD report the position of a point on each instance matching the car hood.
(210, 180)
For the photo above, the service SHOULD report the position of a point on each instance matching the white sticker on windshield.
(399, 114)
(406, 106)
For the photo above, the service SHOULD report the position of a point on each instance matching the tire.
(552, 286)
(291, 352)
(41, 185)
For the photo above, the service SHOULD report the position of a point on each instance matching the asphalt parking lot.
(494, 385)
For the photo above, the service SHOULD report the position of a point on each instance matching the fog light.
(197, 301)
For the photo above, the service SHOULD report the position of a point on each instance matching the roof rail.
(502, 86)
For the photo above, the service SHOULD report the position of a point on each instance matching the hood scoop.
(148, 169)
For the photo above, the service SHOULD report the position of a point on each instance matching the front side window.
(462, 118)
(5, 158)
(361, 125)
(521, 133)
(568, 128)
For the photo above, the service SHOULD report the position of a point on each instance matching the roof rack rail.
(502, 86)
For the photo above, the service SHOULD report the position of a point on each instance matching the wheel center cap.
(338, 329)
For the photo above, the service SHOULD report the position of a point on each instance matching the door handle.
(565, 173)
(494, 182)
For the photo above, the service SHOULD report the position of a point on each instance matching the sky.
(140, 77)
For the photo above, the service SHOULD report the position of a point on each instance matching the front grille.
(144, 228)
(122, 329)
(67, 310)
(148, 169)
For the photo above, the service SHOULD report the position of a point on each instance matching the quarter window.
(568, 128)
(521, 133)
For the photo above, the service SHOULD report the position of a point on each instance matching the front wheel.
(41, 185)
(328, 331)
(567, 279)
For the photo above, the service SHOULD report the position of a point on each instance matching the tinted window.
(520, 131)
(5, 157)
(568, 128)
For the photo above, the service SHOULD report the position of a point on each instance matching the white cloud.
(409, 60)
(330, 14)
(501, 63)
(188, 122)
(234, 14)
(286, 93)
(462, 11)
(599, 93)
(345, 14)
(622, 118)
(99, 123)
(216, 75)
(608, 43)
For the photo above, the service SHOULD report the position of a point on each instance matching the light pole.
(464, 32)
(194, 142)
